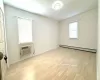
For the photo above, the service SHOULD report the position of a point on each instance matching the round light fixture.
(57, 5)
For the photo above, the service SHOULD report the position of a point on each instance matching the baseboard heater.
(79, 48)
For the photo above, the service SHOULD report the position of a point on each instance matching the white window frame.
(18, 29)
(76, 30)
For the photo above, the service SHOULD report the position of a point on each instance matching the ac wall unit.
(26, 49)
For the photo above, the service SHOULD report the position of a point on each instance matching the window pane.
(73, 30)
(25, 30)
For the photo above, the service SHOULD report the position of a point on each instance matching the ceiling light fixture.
(57, 5)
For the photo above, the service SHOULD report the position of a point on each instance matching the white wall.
(87, 30)
(45, 32)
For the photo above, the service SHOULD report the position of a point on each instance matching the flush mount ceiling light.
(57, 5)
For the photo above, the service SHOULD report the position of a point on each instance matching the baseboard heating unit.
(79, 48)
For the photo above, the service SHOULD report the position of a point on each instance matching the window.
(25, 30)
(73, 30)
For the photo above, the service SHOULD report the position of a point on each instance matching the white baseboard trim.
(33, 55)
(79, 48)
(46, 51)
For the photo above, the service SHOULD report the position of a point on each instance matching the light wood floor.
(59, 64)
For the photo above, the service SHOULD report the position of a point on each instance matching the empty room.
(49, 40)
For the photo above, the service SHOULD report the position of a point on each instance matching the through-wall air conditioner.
(26, 49)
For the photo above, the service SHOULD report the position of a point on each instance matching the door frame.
(5, 38)
(6, 65)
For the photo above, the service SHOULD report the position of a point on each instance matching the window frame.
(77, 29)
(18, 30)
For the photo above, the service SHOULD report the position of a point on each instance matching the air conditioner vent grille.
(26, 49)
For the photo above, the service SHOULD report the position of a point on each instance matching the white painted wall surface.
(45, 32)
(87, 30)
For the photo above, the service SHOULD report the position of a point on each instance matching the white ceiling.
(44, 7)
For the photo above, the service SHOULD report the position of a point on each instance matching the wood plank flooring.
(59, 64)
